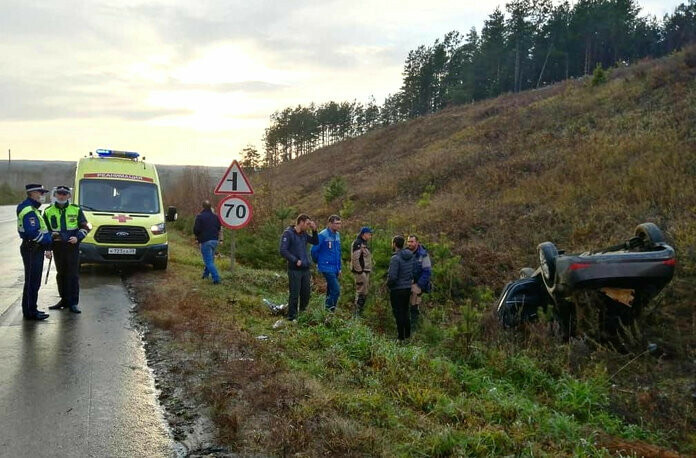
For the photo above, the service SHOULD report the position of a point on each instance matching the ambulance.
(121, 197)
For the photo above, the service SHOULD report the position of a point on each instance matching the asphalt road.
(73, 385)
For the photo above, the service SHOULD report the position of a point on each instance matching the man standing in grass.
(399, 281)
(207, 231)
(422, 276)
(361, 266)
(327, 255)
(293, 247)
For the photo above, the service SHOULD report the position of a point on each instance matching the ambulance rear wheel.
(160, 264)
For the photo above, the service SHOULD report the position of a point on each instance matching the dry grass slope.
(577, 164)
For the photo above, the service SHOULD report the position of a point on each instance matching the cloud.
(41, 100)
(242, 86)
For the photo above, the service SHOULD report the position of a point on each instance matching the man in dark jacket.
(293, 247)
(399, 281)
(207, 231)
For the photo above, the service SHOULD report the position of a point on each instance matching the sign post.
(234, 211)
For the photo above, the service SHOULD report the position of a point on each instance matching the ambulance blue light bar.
(114, 153)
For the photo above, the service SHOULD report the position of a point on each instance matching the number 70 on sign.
(234, 212)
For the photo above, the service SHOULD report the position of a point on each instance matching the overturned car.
(626, 276)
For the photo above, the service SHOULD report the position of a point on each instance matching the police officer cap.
(63, 189)
(31, 187)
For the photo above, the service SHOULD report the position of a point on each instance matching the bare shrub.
(190, 190)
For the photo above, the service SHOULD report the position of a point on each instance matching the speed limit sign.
(234, 212)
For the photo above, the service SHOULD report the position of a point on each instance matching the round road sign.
(234, 212)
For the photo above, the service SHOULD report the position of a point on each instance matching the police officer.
(68, 227)
(35, 241)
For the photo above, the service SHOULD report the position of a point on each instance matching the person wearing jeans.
(208, 252)
(327, 255)
(293, 247)
(207, 231)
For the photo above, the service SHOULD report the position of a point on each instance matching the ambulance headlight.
(158, 229)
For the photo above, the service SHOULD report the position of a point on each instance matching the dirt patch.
(225, 393)
(175, 372)
(622, 447)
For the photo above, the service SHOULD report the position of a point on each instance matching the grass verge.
(333, 385)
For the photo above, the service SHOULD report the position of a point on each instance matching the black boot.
(360, 304)
(58, 306)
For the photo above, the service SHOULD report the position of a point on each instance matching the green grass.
(347, 387)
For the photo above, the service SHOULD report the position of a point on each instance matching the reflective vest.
(53, 214)
(20, 221)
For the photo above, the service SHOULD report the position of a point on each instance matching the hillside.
(574, 163)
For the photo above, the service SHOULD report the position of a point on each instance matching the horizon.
(6, 162)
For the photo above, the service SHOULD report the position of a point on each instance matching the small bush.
(336, 189)
(347, 209)
(599, 75)
(424, 201)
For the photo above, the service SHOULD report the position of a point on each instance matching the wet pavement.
(73, 385)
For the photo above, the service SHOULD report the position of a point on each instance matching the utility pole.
(9, 157)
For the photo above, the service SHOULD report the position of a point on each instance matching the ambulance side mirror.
(171, 214)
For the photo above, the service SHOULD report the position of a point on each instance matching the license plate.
(121, 250)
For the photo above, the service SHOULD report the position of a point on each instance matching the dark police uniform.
(66, 221)
(35, 240)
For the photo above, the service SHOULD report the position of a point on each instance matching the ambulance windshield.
(119, 196)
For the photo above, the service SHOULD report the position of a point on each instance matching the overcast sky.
(192, 82)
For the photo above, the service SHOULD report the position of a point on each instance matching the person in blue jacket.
(36, 240)
(327, 255)
(422, 276)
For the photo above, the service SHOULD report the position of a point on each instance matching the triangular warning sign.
(234, 181)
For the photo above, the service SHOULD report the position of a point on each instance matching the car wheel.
(547, 261)
(650, 234)
(160, 264)
(526, 272)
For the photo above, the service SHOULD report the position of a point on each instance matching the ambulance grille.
(121, 234)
